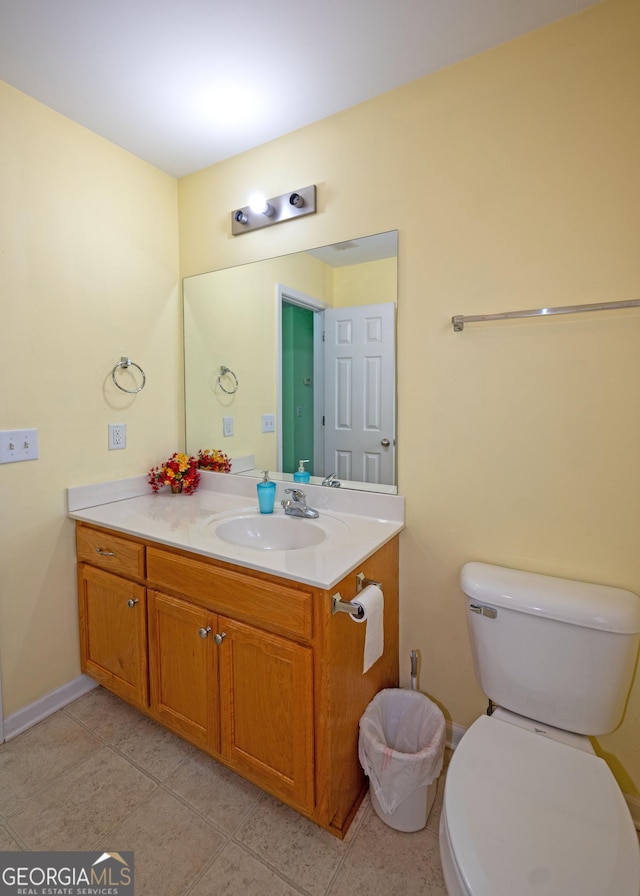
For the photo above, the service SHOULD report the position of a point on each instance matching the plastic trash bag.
(401, 744)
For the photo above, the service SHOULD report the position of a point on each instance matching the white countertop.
(366, 521)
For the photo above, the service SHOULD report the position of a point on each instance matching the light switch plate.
(17, 445)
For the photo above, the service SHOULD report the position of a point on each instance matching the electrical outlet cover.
(117, 436)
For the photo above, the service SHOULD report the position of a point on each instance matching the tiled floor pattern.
(99, 775)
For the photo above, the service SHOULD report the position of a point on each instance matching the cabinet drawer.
(271, 605)
(119, 555)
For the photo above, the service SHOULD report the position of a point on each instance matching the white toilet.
(529, 809)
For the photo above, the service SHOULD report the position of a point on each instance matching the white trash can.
(401, 749)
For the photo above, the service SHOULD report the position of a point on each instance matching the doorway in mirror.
(337, 389)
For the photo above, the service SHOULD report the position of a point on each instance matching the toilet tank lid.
(579, 603)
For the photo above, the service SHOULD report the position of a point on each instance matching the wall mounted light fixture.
(263, 212)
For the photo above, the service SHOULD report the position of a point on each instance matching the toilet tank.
(554, 650)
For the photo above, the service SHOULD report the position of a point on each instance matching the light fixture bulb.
(259, 205)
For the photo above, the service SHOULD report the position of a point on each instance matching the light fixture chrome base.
(289, 205)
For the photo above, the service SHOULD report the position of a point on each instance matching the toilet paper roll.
(371, 599)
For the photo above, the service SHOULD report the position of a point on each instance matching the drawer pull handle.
(204, 632)
(219, 638)
(105, 553)
(132, 602)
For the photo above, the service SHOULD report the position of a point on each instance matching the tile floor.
(99, 775)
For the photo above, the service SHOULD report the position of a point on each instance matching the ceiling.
(358, 251)
(186, 83)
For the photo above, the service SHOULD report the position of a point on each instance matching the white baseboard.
(454, 734)
(35, 712)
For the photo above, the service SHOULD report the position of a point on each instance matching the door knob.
(385, 443)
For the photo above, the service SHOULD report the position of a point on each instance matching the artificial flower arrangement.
(180, 472)
(212, 459)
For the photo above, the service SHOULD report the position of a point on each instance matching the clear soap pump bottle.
(302, 475)
(266, 493)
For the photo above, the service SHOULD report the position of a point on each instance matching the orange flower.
(212, 459)
(179, 468)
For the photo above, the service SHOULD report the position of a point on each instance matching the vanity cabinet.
(113, 633)
(251, 668)
(183, 669)
(266, 688)
(261, 723)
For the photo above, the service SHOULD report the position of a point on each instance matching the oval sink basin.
(270, 533)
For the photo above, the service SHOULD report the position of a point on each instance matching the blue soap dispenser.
(266, 493)
(302, 475)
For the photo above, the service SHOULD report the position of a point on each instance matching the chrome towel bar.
(459, 320)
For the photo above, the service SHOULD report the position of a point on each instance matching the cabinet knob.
(204, 632)
(219, 637)
(132, 602)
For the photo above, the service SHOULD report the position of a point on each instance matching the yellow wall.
(89, 272)
(513, 181)
(230, 320)
(365, 284)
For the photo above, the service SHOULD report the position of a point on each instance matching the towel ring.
(127, 362)
(226, 371)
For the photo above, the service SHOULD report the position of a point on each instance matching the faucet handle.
(295, 493)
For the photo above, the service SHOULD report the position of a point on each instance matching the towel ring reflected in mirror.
(231, 379)
(125, 363)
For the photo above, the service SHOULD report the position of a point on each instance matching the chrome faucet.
(296, 505)
(332, 480)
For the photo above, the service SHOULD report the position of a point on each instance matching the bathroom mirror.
(293, 358)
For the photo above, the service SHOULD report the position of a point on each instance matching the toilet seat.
(524, 814)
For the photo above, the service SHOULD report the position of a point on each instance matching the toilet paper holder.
(338, 605)
(362, 582)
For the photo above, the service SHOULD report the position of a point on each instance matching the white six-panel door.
(359, 393)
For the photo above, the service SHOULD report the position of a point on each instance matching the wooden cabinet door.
(113, 633)
(266, 710)
(182, 668)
